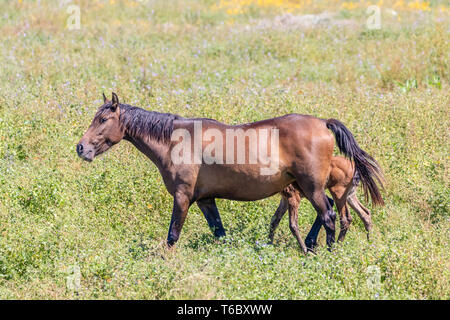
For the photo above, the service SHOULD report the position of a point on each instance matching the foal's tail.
(368, 169)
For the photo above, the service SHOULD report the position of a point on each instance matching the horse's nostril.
(79, 149)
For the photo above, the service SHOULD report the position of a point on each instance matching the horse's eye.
(103, 120)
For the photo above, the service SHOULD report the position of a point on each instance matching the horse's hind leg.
(362, 212)
(311, 238)
(281, 210)
(325, 216)
(212, 216)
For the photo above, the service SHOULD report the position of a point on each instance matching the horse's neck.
(156, 151)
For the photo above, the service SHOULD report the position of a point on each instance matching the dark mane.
(137, 121)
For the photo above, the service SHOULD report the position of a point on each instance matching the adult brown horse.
(304, 149)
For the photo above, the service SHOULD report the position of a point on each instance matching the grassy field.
(76, 230)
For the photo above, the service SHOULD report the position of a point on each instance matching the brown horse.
(342, 184)
(303, 153)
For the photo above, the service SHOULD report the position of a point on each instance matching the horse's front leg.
(181, 204)
(212, 216)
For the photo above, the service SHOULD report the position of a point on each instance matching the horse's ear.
(105, 99)
(114, 102)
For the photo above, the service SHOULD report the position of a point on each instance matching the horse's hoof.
(219, 233)
(170, 243)
(310, 245)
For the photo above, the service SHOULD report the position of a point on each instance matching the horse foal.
(342, 184)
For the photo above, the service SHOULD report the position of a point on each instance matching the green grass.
(110, 218)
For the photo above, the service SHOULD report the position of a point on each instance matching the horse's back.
(292, 120)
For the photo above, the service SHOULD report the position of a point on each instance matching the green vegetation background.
(109, 219)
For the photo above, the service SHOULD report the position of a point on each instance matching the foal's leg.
(181, 204)
(340, 198)
(212, 216)
(345, 218)
(294, 202)
(362, 212)
(281, 210)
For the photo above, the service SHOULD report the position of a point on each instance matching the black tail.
(368, 169)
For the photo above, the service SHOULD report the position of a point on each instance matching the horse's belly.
(241, 183)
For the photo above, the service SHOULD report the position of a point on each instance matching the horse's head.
(104, 131)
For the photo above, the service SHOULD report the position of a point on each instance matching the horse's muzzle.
(80, 149)
(83, 153)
